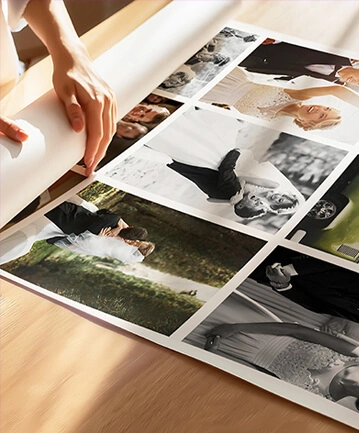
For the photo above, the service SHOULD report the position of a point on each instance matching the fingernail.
(77, 124)
(89, 162)
(21, 135)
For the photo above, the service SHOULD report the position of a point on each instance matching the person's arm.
(227, 179)
(122, 224)
(88, 100)
(114, 232)
(266, 183)
(230, 160)
(291, 330)
(340, 92)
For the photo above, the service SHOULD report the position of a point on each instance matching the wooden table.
(63, 372)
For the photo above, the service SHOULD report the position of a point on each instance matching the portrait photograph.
(287, 61)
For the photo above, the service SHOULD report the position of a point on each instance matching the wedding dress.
(20, 243)
(100, 246)
(292, 360)
(254, 99)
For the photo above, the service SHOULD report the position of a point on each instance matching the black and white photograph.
(316, 285)
(230, 168)
(208, 62)
(260, 326)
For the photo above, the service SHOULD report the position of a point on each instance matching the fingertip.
(90, 166)
(21, 135)
(89, 160)
(89, 171)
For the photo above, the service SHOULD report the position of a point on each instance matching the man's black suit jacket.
(291, 60)
(219, 184)
(71, 218)
(319, 286)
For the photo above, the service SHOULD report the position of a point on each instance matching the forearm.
(266, 183)
(288, 329)
(88, 100)
(346, 95)
(340, 92)
(50, 21)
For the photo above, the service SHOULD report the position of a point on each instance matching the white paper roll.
(133, 67)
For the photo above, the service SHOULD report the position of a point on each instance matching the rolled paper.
(134, 67)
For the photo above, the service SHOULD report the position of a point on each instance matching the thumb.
(9, 128)
(74, 113)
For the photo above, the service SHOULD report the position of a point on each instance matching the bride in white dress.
(269, 102)
(200, 138)
(20, 242)
(242, 330)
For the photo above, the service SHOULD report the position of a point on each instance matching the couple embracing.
(80, 230)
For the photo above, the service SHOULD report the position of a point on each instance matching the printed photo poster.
(208, 62)
(332, 225)
(295, 320)
(199, 236)
(156, 273)
(294, 88)
(230, 168)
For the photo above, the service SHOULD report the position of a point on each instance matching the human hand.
(335, 326)
(106, 231)
(10, 129)
(89, 102)
(212, 343)
(277, 275)
(349, 75)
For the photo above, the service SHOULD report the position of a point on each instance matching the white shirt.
(10, 20)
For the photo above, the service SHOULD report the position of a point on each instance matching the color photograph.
(287, 62)
(332, 224)
(127, 257)
(288, 94)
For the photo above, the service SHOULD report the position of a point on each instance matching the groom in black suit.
(291, 61)
(221, 184)
(72, 218)
(314, 284)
